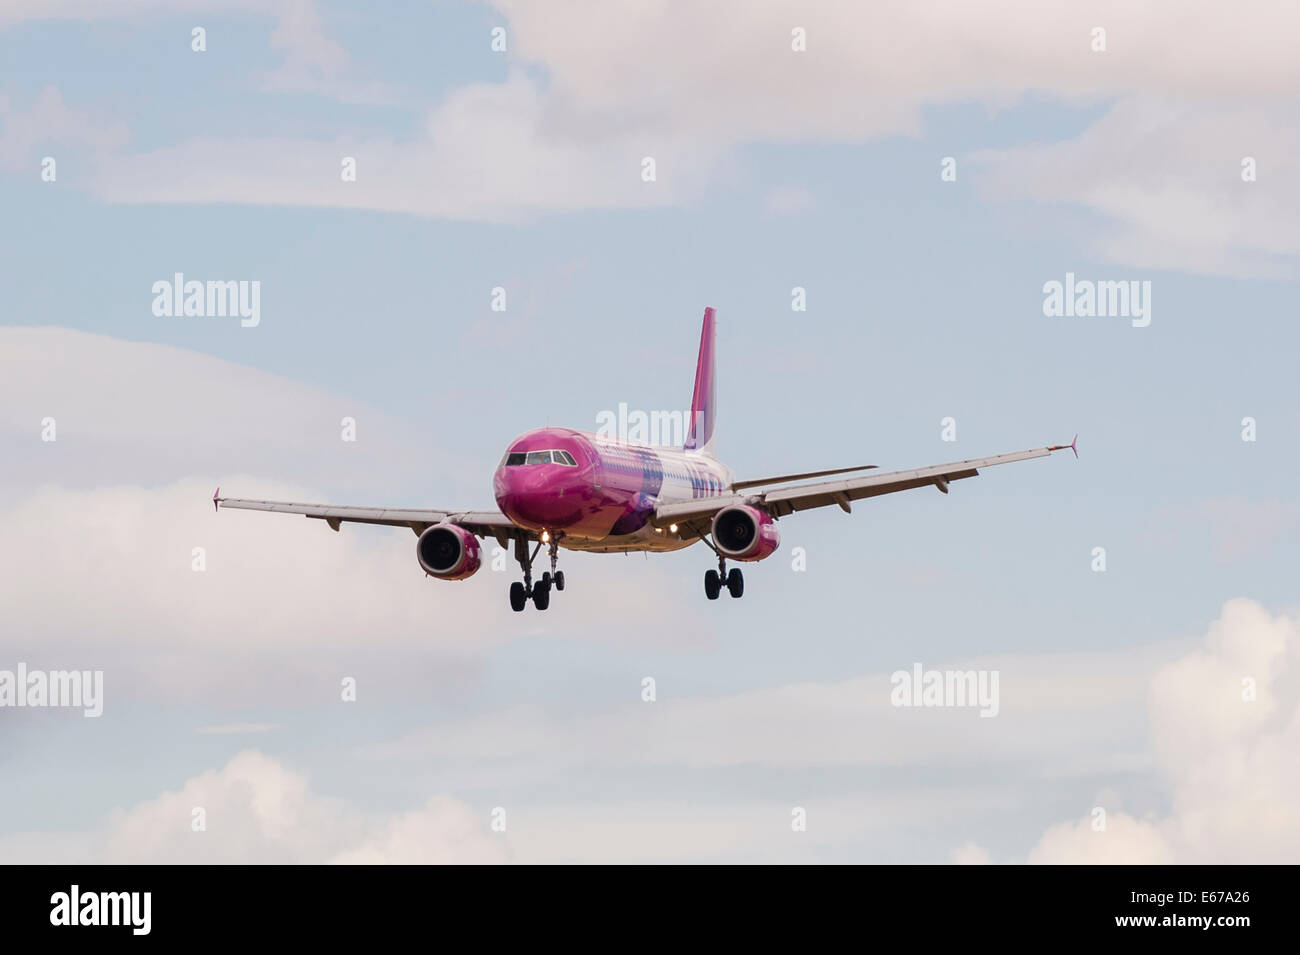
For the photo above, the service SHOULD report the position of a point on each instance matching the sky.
(875, 198)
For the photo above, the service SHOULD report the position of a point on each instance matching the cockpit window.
(516, 458)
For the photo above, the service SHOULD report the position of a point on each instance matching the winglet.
(1073, 446)
(215, 498)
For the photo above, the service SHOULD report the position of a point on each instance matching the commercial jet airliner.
(556, 487)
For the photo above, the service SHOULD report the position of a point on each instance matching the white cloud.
(141, 412)
(594, 87)
(313, 61)
(257, 810)
(790, 201)
(285, 607)
(1167, 181)
(741, 827)
(1063, 712)
(442, 831)
(235, 729)
(870, 68)
(1124, 841)
(48, 122)
(274, 618)
(970, 854)
(1229, 762)
(488, 152)
(1227, 530)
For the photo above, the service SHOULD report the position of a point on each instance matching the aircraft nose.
(521, 493)
(538, 496)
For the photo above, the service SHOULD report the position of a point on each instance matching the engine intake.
(741, 532)
(448, 552)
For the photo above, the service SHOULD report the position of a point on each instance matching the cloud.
(1241, 527)
(49, 122)
(487, 153)
(790, 201)
(283, 608)
(867, 69)
(568, 128)
(1165, 179)
(870, 69)
(1228, 759)
(970, 854)
(1125, 841)
(443, 831)
(115, 507)
(313, 61)
(1229, 529)
(256, 809)
(235, 729)
(274, 617)
(1063, 712)
(142, 412)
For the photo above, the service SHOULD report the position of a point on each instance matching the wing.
(759, 482)
(692, 517)
(479, 523)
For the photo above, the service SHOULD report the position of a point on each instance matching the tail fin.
(703, 403)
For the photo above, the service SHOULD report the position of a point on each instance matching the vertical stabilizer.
(703, 402)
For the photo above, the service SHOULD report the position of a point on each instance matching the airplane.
(557, 487)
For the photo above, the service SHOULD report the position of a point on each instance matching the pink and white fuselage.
(605, 499)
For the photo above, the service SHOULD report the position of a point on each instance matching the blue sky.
(522, 170)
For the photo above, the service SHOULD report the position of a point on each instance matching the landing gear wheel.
(712, 584)
(518, 596)
(546, 579)
(542, 595)
(736, 582)
(520, 592)
(559, 580)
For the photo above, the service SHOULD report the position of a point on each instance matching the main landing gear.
(539, 593)
(715, 580)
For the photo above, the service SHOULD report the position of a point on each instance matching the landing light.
(672, 528)
(546, 537)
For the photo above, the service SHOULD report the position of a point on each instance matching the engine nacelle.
(448, 552)
(741, 532)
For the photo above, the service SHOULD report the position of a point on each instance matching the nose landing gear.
(540, 593)
(555, 576)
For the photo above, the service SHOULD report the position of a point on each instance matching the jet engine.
(448, 552)
(741, 532)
